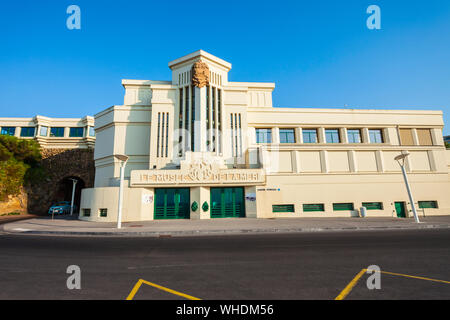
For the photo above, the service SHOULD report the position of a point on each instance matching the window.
(309, 135)
(342, 206)
(287, 136)
(76, 132)
(27, 131)
(424, 136)
(332, 136)
(44, 131)
(57, 132)
(428, 204)
(354, 135)
(375, 136)
(91, 132)
(86, 212)
(10, 131)
(103, 212)
(283, 208)
(406, 137)
(308, 207)
(263, 135)
(373, 205)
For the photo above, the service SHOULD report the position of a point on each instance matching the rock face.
(16, 203)
(200, 74)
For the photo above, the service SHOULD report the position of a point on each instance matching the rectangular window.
(27, 131)
(283, 208)
(309, 207)
(332, 136)
(428, 204)
(91, 132)
(192, 117)
(76, 132)
(342, 206)
(424, 136)
(354, 135)
(287, 136)
(373, 205)
(44, 131)
(57, 132)
(376, 136)
(9, 131)
(86, 212)
(103, 212)
(263, 135)
(309, 135)
(406, 137)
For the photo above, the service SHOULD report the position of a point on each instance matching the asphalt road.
(274, 266)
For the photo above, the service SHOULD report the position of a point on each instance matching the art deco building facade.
(201, 146)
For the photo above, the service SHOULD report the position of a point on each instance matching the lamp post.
(401, 161)
(74, 183)
(123, 160)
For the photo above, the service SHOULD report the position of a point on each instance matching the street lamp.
(74, 183)
(401, 161)
(123, 160)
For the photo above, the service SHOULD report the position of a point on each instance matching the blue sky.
(319, 53)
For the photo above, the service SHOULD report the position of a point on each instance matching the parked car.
(61, 207)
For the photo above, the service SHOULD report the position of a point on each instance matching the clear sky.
(319, 53)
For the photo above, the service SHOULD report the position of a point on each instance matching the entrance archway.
(64, 191)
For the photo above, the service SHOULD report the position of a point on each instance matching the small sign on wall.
(147, 198)
(250, 197)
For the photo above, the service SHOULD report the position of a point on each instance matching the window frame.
(259, 134)
(75, 129)
(320, 207)
(103, 212)
(351, 134)
(365, 205)
(24, 132)
(57, 129)
(335, 206)
(332, 131)
(283, 208)
(308, 132)
(381, 135)
(287, 134)
(421, 203)
(8, 131)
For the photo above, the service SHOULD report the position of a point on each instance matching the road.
(271, 266)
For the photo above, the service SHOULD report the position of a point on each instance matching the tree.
(19, 164)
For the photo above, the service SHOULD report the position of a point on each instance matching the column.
(298, 135)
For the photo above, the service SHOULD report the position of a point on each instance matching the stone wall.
(60, 164)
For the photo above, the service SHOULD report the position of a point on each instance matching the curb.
(221, 232)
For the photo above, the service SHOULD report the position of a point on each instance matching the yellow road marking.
(355, 280)
(350, 286)
(141, 281)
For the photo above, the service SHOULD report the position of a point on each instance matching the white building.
(201, 146)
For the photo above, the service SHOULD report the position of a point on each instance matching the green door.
(172, 203)
(227, 202)
(400, 209)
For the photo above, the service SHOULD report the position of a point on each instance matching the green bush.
(19, 164)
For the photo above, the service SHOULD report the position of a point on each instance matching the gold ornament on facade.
(200, 74)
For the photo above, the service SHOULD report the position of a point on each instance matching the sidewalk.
(67, 225)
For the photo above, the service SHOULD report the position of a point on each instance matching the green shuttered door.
(227, 202)
(172, 203)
